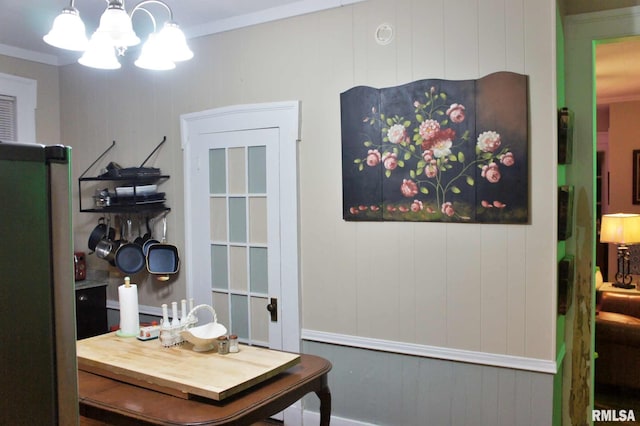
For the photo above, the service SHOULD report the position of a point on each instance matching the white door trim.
(286, 117)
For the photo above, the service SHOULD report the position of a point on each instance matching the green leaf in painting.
(461, 157)
(455, 190)
(470, 181)
(387, 173)
(424, 190)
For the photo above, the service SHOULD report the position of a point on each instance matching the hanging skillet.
(162, 258)
(129, 257)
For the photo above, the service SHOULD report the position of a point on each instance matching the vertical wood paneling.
(494, 287)
(514, 35)
(431, 285)
(516, 259)
(461, 52)
(428, 39)
(541, 291)
(388, 389)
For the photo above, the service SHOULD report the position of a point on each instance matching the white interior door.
(241, 219)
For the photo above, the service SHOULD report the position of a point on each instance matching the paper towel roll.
(129, 320)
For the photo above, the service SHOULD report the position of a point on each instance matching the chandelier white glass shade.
(115, 34)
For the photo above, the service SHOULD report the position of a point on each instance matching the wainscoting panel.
(381, 388)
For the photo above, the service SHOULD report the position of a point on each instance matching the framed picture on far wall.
(636, 176)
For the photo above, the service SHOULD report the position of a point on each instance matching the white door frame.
(284, 116)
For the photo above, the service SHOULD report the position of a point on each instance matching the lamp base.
(623, 285)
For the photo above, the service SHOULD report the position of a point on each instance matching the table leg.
(325, 405)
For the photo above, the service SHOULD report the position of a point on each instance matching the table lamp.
(622, 229)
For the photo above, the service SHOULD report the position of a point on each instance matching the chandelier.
(115, 34)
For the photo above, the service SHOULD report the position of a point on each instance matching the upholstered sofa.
(618, 339)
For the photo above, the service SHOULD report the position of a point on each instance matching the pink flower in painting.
(354, 210)
(373, 157)
(488, 141)
(508, 159)
(447, 208)
(362, 208)
(431, 170)
(408, 188)
(499, 205)
(486, 204)
(397, 134)
(391, 208)
(390, 160)
(416, 104)
(427, 155)
(456, 113)
(428, 129)
(416, 206)
(374, 208)
(491, 172)
(403, 209)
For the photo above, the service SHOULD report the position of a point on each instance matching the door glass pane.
(257, 169)
(237, 220)
(258, 220)
(258, 270)
(218, 219)
(219, 271)
(237, 172)
(217, 171)
(259, 320)
(238, 268)
(221, 306)
(240, 316)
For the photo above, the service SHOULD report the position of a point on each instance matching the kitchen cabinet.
(91, 308)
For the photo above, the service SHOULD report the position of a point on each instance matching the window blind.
(8, 124)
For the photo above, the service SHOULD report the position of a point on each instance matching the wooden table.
(119, 403)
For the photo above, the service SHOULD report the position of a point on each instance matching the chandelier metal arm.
(146, 2)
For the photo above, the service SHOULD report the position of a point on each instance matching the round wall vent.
(384, 34)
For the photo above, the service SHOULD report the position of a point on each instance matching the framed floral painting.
(437, 150)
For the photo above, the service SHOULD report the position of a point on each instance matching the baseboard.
(313, 418)
(450, 354)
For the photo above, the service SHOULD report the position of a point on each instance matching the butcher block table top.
(118, 403)
(178, 370)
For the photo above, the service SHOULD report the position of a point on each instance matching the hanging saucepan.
(162, 258)
(106, 249)
(129, 257)
(102, 230)
(149, 241)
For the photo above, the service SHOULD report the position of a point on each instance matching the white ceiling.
(23, 23)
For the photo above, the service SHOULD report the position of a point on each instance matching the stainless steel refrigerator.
(38, 383)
